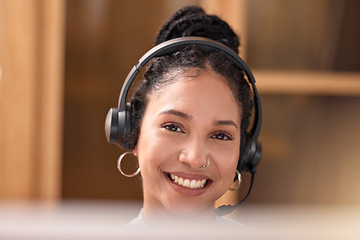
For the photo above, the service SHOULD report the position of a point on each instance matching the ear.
(135, 152)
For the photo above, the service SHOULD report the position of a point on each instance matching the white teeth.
(181, 181)
(187, 183)
(193, 184)
(203, 182)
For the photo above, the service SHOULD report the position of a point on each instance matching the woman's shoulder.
(137, 222)
(225, 221)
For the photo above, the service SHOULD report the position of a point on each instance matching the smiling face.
(186, 124)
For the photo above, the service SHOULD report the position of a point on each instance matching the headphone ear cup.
(118, 126)
(112, 125)
(125, 126)
(251, 156)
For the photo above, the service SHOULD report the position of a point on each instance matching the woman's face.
(186, 124)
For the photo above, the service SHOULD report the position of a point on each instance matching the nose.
(194, 153)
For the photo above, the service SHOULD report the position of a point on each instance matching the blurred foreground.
(105, 220)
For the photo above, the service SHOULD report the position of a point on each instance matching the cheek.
(228, 171)
(153, 149)
(226, 163)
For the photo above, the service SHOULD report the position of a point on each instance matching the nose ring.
(207, 163)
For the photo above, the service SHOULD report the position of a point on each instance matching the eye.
(173, 127)
(222, 136)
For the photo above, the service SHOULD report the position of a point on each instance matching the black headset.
(118, 120)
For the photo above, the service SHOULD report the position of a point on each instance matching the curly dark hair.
(193, 21)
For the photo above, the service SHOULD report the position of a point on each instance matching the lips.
(188, 182)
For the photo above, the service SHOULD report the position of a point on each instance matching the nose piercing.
(203, 166)
(207, 164)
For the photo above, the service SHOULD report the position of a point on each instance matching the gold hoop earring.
(239, 181)
(119, 166)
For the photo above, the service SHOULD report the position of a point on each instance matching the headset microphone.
(226, 209)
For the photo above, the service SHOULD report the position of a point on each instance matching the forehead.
(198, 93)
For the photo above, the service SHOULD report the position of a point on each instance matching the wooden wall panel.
(18, 94)
(30, 98)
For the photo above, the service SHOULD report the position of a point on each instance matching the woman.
(189, 118)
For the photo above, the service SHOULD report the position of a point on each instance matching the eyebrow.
(176, 113)
(226, 122)
(188, 117)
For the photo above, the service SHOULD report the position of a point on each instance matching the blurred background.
(62, 64)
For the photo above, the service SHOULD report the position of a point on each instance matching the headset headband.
(206, 44)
